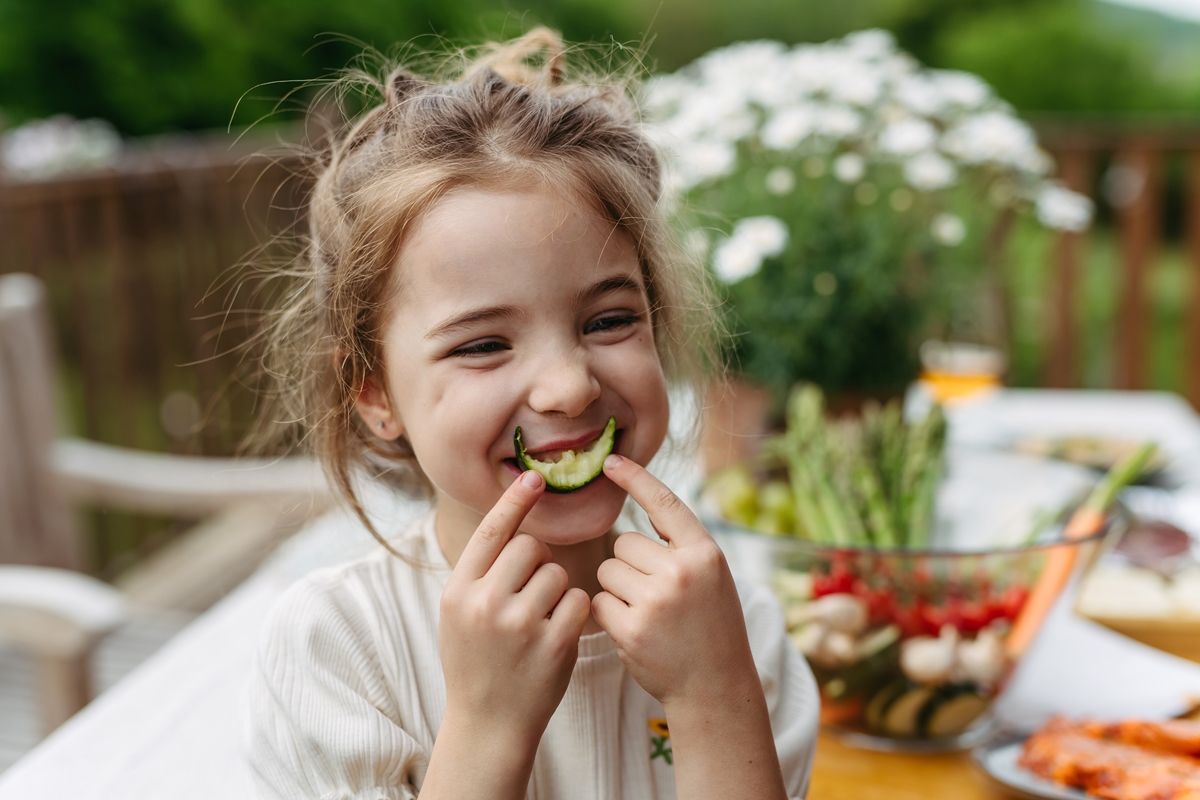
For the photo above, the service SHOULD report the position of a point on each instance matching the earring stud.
(379, 425)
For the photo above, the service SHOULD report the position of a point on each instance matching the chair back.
(36, 525)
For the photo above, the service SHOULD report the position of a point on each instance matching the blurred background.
(135, 212)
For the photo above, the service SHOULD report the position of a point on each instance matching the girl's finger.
(641, 552)
(621, 580)
(670, 516)
(517, 563)
(545, 588)
(610, 612)
(500, 524)
(571, 613)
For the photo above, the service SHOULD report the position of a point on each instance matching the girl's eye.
(612, 322)
(480, 348)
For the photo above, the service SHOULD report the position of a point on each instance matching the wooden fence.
(1133, 186)
(141, 264)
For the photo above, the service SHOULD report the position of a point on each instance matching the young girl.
(486, 254)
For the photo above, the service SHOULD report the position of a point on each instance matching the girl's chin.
(578, 516)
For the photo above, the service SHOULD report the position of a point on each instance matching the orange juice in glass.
(957, 371)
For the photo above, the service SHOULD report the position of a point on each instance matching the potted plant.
(848, 201)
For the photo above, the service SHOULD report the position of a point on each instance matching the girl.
(485, 255)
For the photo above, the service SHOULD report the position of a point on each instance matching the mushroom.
(839, 612)
(981, 659)
(810, 640)
(925, 659)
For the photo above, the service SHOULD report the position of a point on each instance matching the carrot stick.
(1087, 520)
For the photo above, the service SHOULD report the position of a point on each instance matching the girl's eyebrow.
(606, 286)
(473, 317)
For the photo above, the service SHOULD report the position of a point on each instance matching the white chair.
(49, 608)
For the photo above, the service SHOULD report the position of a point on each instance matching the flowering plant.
(848, 198)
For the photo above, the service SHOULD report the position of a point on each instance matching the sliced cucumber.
(951, 715)
(881, 701)
(903, 716)
(574, 469)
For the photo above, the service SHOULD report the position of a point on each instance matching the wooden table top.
(841, 772)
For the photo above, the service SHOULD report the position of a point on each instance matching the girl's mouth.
(553, 451)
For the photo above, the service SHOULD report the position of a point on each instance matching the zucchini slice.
(881, 701)
(953, 715)
(903, 715)
(574, 469)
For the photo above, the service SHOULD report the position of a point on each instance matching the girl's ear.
(375, 410)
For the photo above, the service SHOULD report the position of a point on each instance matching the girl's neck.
(581, 560)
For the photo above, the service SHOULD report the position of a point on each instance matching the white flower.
(838, 122)
(753, 239)
(907, 137)
(768, 235)
(708, 159)
(787, 128)
(948, 229)
(962, 89)
(920, 95)
(929, 171)
(870, 44)
(781, 181)
(849, 167)
(856, 86)
(1060, 208)
(736, 259)
(995, 137)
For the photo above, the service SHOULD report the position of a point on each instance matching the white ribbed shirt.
(347, 693)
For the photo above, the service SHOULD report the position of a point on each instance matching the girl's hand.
(673, 611)
(675, 615)
(510, 627)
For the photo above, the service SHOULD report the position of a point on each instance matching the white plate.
(999, 760)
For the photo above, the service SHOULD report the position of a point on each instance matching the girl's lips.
(550, 451)
(549, 455)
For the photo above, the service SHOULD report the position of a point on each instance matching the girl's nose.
(563, 384)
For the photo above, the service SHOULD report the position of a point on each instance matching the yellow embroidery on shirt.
(661, 739)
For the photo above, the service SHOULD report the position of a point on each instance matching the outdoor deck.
(117, 656)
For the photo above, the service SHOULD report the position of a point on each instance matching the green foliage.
(1057, 56)
(155, 65)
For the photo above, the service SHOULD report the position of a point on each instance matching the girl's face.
(521, 308)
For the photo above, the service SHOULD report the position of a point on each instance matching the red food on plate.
(1130, 760)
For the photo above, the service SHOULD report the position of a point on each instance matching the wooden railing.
(1137, 156)
(147, 300)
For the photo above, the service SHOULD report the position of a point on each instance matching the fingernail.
(613, 461)
(531, 479)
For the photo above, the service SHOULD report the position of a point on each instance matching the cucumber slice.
(903, 716)
(574, 469)
(881, 701)
(953, 715)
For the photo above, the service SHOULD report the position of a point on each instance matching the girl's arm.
(508, 636)
(675, 615)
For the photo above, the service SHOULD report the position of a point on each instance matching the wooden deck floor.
(116, 657)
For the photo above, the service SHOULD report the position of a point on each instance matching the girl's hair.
(509, 116)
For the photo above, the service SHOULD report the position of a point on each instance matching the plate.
(999, 760)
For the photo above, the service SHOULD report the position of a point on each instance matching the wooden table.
(841, 772)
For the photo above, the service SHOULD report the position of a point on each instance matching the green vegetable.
(574, 469)
(864, 483)
(882, 700)
(903, 715)
(951, 713)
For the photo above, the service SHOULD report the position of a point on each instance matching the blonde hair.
(498, 120)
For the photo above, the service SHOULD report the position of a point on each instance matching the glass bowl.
(907, 646)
